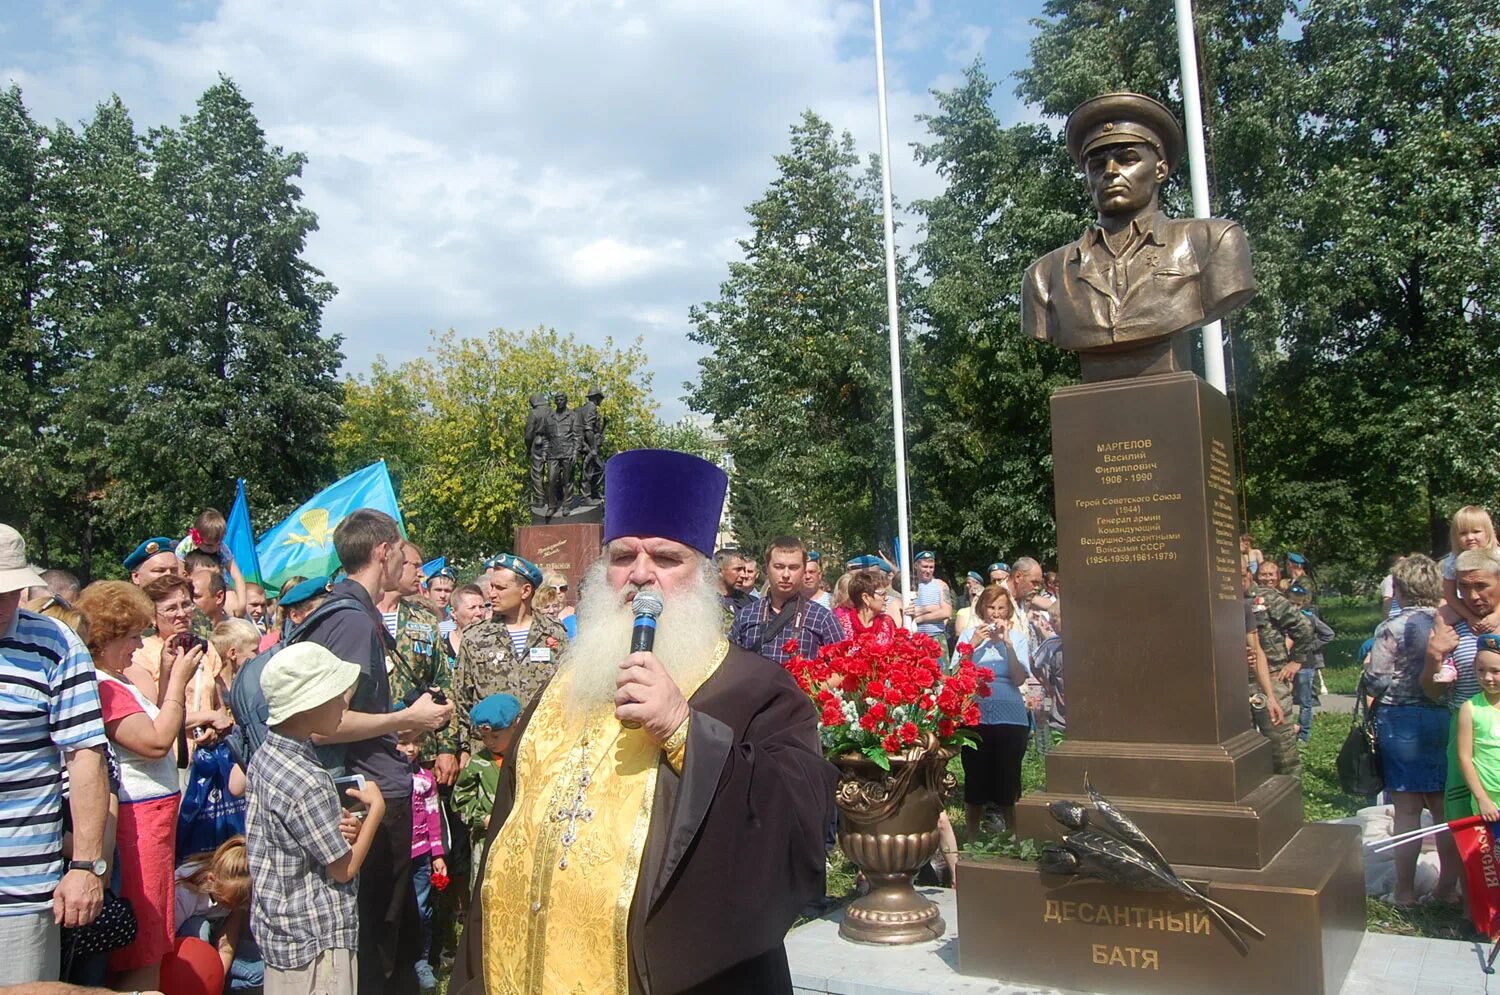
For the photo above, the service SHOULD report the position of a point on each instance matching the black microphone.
(648, 606)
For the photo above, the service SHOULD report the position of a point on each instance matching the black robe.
(736, 845)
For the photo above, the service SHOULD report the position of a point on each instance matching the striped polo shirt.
(49, 704)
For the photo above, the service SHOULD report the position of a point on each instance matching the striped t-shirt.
(49, 704)
(929, 593)
(1467, 685)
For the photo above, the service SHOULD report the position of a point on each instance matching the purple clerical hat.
(659, 492)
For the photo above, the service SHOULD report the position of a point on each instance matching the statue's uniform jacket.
(1172, 275)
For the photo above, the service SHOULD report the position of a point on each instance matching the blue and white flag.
(302, 546)
(240, 539)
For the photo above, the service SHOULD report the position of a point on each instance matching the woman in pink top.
(143, 733)
(866, 609)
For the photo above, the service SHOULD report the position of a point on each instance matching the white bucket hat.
(15, 573)
(302, 677)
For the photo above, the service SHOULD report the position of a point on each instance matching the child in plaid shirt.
(302, 865)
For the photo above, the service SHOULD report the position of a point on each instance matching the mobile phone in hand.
(342, 786)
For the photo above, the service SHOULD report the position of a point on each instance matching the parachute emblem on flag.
(319, 534)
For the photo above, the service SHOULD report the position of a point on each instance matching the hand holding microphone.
(645, 694)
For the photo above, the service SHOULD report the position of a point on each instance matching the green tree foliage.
(760, 512)
(451, 426)
(982, 455)
(1378, 420)
(161, 328)
(799, 374)
(1361, 158)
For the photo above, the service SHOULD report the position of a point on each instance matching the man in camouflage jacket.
(488, 662)
(418, 662)
(1279, 622)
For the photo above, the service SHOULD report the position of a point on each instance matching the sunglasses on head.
(54, 601)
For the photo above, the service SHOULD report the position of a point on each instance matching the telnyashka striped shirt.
(49, 705)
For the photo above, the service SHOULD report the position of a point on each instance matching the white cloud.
(583, 164)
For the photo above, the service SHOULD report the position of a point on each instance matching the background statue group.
(560, 441)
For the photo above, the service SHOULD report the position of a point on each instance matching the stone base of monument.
(565, 549)
(577, 513)
(1245, 832)
(823, 964)
(1019, 925)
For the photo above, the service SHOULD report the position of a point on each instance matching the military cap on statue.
(659, 492)
(520, 566)
(148, 549)
(313, 587)
(1120, 118)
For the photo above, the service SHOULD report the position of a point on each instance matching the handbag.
(209, 814)
(114, 928)
(1358, 761)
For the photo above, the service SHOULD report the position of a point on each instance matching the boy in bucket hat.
(302, 867)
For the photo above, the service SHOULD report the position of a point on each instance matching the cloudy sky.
(583, 164)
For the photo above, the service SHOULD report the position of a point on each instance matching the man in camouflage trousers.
(419, 662)
(1279, 622)
(516, 651)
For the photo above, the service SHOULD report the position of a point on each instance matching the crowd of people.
(305, 782)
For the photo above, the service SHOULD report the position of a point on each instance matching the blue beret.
(974, 576)
(925, 554)
(1296, 558)
(523, 568)
(664, 494)
(813, 556)
(999, 565)
(498, 711)
(444, 572)
(1298, 588)
(311, 588)
(148, 549)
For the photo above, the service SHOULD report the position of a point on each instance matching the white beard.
(687, 633)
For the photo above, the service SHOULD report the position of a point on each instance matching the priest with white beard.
(661, 821)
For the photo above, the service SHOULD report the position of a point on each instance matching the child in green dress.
(1479, 731)
(493, 722)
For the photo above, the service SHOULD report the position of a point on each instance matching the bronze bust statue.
(1123, 295)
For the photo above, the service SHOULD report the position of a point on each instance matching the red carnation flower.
(946, 727)
(790, 646)
(891, 744)
(909, 732)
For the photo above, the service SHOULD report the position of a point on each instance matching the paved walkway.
(824, 964)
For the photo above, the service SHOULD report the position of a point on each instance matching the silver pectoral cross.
(572, 816)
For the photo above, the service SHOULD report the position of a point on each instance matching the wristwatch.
(98, 868)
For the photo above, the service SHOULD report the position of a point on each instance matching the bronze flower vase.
(888, 829)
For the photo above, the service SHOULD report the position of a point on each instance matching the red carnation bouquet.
(888, 695)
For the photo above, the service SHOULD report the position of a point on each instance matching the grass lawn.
(1354, 621)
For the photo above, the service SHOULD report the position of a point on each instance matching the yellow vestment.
(562, 872)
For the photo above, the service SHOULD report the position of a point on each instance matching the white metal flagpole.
(903, 528)
(1187, 54)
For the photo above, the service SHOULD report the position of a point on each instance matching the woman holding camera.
(142, 732)
(992, 770)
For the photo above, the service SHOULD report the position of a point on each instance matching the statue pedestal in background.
(567, 549)
(1158, 718)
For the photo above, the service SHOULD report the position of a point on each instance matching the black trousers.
(390, 927)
